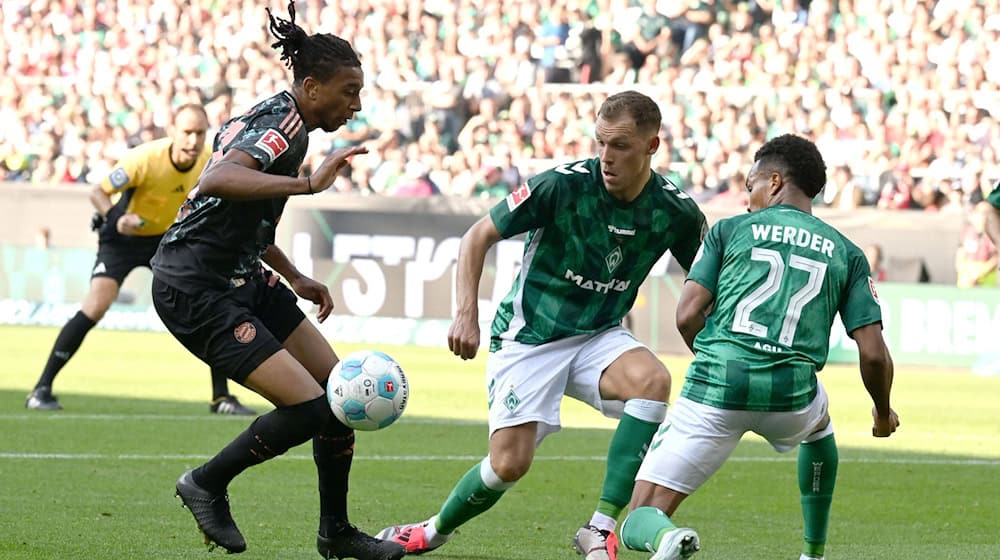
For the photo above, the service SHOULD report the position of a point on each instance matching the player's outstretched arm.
(693, 306)
(237, 176)
(301, 284)
(876, 372)
(463, 335)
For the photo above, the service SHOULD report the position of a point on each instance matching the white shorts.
(696, 439)
(526, 383)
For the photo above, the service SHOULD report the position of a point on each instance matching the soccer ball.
(367, 390)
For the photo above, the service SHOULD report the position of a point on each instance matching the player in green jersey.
(993, 217)
(757, 310)
(594, 229)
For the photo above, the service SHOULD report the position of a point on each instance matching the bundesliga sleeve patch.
(118, 178)
(273, 143)
(516, 198)
(871, 286)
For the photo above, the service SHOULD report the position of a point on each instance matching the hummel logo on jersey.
(100, 268)
(597, 286)
(180, 188)
(620, 231)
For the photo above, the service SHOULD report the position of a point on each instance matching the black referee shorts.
(117, 258)
(233, 330)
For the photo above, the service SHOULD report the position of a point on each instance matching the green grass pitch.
(95, 481)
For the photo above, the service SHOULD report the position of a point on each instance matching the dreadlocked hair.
(798, 158)
(319, 55)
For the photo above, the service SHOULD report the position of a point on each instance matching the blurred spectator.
(734, 193)
(976, 258)
(873, 252)
(907, 94)
(43, 238)
(651, 34)
(416, 181)
(491, 183)
(551, 41)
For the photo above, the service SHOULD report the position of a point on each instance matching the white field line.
(470, 458)
(56, 416)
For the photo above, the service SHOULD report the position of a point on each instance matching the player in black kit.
(213, 294)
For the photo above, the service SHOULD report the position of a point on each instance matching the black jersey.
(214, 242)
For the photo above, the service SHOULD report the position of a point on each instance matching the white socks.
(646, 410)
(603, 522)
(434, 539)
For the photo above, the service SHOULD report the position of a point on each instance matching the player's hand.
(129, 224)
(323, 177)
(97, 221)
(315, 292)
(463, 336)
(884, 425)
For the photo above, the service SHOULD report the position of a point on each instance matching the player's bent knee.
(95, 308)
(510, 467)
(302, 421)
(652, 383)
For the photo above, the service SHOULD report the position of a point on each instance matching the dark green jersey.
(994, 196)
(779, 276)
(586, 253)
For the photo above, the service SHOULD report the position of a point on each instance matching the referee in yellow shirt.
(135, 205)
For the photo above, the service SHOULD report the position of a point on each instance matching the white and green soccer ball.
(367, 390)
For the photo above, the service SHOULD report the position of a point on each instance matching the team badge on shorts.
(511, 401)
(245, 332)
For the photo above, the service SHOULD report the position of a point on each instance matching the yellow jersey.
(146, 182)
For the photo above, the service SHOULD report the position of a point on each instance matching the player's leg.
(817, 473)
(109, 271)
(613, 366)
(688, 448)
(811, 430)
(512, 450)
(333, 444)
(219, 328)
(525, 385)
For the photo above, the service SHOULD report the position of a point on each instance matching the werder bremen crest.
(613, 259)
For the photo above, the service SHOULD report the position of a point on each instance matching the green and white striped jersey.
(779, 276)
(586, 253)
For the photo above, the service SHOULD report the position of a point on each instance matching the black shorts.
(234, 330)
(115, 259)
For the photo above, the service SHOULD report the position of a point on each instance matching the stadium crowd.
(468, 97)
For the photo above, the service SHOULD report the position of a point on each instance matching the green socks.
(818, 462)
(475, 493)
(628, 447)
(644, 527)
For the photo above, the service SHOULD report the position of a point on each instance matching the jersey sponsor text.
(596, 285)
